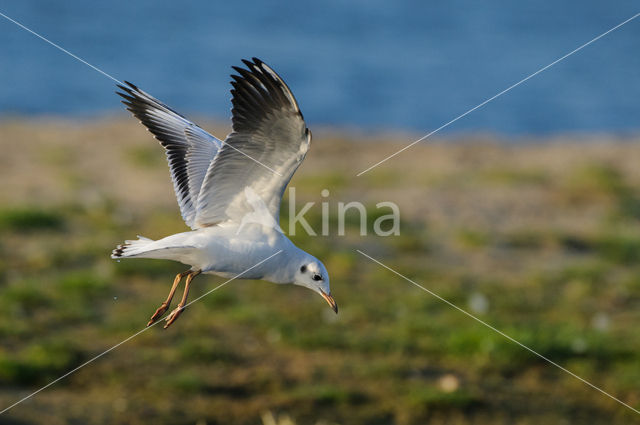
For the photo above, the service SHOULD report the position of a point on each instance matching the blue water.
(358, 64)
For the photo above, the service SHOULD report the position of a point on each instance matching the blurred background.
(526, 213)
(363, 64)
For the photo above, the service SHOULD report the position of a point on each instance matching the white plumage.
(230, 192)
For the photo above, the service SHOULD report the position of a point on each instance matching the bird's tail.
(132, 248)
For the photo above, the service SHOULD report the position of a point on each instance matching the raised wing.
(268, 142)
(189, 148)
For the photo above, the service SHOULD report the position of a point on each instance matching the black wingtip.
(126, 92)
(120, 87)
(252, 65)
(129, 88)
(127, 96)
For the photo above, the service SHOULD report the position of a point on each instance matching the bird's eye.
(303, 269)
(317, 277)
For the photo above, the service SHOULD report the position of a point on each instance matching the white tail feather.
(163, 249)
(132, 248)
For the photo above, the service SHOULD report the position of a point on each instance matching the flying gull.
(230, 192)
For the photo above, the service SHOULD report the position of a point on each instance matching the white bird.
(220, 183)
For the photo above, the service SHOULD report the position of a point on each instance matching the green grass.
(563, 280)
(249, 340)
(27, 219)
(38, 363)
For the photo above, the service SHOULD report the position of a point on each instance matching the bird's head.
(312, 274)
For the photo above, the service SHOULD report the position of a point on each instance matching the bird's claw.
(159, 312)
(173, 316)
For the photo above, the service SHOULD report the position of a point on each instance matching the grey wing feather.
(189, 148)
(268, 142)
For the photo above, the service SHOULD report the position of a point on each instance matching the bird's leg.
(176, 312)
(163, 307)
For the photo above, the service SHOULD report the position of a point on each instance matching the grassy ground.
(540, 240)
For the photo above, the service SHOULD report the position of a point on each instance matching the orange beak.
(329, 299)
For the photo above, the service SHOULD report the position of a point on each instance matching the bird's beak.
(330, 300)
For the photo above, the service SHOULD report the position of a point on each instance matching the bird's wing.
(268, 142)
(189, 148)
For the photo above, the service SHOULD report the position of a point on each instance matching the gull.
(229, 192)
